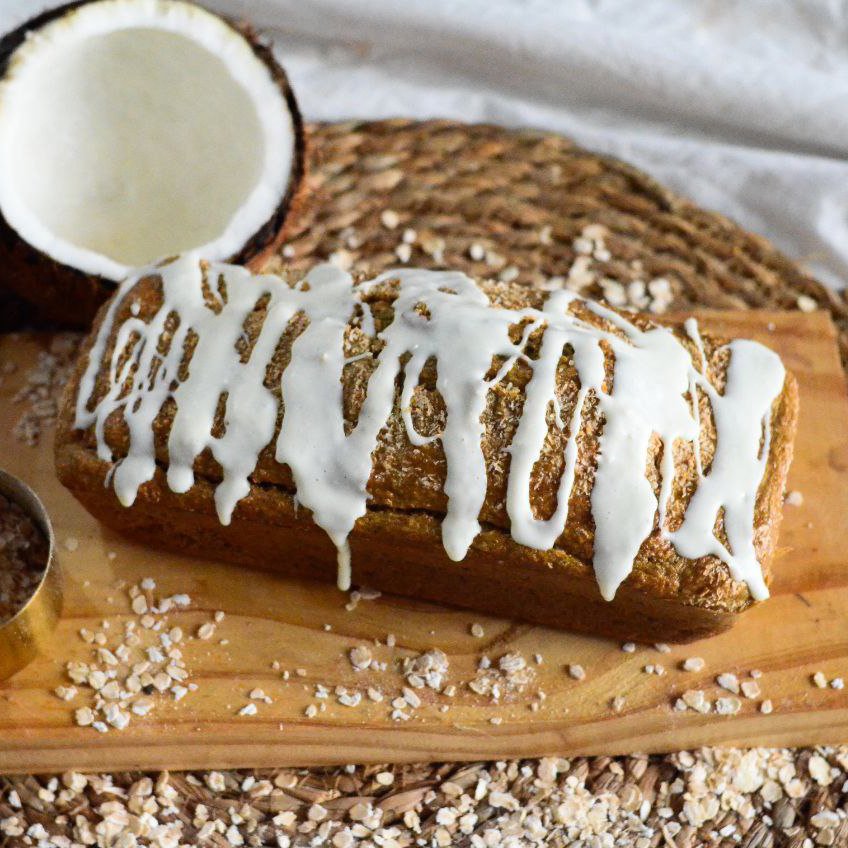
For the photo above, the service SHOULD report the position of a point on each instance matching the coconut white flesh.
(131, 130)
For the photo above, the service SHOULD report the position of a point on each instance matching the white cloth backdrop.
(742, 106)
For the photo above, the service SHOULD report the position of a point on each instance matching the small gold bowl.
(26, 634)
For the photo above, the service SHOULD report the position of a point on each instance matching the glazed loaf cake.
(529, 454)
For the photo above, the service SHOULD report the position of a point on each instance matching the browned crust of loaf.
(675, 599)
(68, 297)
(393, 551)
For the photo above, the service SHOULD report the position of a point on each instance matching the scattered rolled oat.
(819, 770)
(508, 274)
(582, 245)
(661, 294)
(429, 670)
(728, 681)
(259, 695)
(43, 386)
(389, 219)
(512, 662)
(826, 818)
(696, 700)
(84, 716)
(411, 698)
(347, 698)
(146, 660)
(342, 258)
(356, 595)
(206, 630)
(494, 259)
(360, 657)
(727, 706)
(509, 676)
(66, 693)
(806, 303)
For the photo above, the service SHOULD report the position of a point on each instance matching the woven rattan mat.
(491, 202)
(526, 195)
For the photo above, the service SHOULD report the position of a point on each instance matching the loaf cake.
(524, 453)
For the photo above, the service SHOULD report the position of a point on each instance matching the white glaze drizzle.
(654, 391)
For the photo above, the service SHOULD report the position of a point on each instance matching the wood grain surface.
(803, 628)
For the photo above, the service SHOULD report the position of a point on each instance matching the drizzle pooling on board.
(653, 379)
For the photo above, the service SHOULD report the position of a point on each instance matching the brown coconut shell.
(67, 297)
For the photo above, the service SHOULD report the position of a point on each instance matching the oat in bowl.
(30, 586)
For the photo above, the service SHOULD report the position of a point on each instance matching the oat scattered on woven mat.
(23, 556)
(763, 798)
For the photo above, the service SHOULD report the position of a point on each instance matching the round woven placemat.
(526, 195)
(488, 201)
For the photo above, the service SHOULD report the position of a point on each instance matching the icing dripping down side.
(442, 316)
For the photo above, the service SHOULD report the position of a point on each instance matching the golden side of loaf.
(397, 546)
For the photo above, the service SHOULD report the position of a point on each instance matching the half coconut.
(132, 130)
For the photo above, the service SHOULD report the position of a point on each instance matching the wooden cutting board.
(801, 630)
